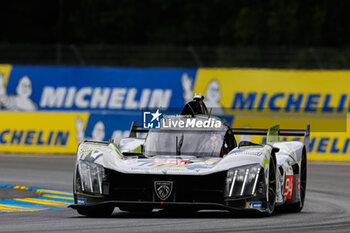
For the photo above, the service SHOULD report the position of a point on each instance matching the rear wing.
(272, 133)
(136, 129)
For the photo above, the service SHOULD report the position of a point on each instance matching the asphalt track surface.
(327, 204)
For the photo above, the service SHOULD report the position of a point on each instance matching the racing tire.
(96, 212)
(297, 207)
(271, 200)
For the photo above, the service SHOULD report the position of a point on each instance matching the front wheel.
(271, 193)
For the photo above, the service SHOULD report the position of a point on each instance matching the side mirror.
(275, 150)
(140, 155)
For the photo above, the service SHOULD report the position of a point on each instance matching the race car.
(192, 162)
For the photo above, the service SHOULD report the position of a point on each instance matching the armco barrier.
(50, 109)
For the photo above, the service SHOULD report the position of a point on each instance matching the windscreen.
(199, 143)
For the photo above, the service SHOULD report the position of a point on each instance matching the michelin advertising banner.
(47, 109)
(261, 98)
(50, 109)
(33, 132)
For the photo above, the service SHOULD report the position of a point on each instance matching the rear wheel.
(97, 212)
(297, 207)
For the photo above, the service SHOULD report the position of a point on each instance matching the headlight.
(91, 176)
(242, 181)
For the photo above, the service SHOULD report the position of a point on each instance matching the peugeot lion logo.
(163, 189)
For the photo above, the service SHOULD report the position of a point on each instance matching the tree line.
(261, 23)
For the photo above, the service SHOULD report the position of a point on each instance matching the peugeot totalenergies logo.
(163, 189)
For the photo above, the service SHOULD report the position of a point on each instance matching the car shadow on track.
(161, 214)
(185, 215)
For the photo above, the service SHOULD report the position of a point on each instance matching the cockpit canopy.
(206, 143)
(199, 135)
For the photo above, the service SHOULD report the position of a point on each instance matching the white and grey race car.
(192, 168)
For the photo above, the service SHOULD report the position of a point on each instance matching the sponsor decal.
(288, 187)
(169, 162)
(81, 201)
(247, 152)
(158, 164)
(163, 189)
(129, 159)
(212, 161)
(254, 205)
(168, 167)
(200, 166)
